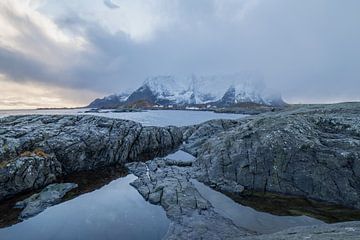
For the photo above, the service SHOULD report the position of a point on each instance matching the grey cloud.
(309, 50)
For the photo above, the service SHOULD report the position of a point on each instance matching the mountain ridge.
(214, 90)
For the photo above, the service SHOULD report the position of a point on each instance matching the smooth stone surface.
(48, 197)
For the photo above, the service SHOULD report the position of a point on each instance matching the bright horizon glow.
(31, 96)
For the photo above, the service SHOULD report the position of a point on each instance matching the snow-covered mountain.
(217, 90)
(112, 101)
(161, 90)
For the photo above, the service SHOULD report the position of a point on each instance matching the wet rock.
(309, 151)
(192, 216)
(35, 150)
(48, 197)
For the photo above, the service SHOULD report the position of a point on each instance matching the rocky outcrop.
(48, 197)
(192, 217)
(36, 150)
(309, 151)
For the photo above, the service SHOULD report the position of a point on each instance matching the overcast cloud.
(309, 50)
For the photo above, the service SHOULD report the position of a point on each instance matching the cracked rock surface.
(309, 151)
(35, 150)
(192, 216)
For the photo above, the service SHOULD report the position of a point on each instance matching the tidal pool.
(249, 218)
(115, 211)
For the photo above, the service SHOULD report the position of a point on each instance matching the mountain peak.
(217, 90)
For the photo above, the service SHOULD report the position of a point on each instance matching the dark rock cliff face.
(229, 97)
(112, 101)
(311, 151)
(36, 150)
(105, 103)
(143, 93)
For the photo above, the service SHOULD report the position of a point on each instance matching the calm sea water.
(147, 118)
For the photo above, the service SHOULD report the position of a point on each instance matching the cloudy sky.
(65, 53)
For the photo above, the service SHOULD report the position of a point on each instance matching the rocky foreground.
(311, 152)
(37, 150)
(163, 182)
(308, 151)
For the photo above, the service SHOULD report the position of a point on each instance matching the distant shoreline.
(217, 110)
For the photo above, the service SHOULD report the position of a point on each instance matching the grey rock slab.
(35, 150)
(192, 216)
(48, 197)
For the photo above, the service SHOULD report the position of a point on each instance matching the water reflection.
(115, 211)
(282, 205)
(249, 218)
